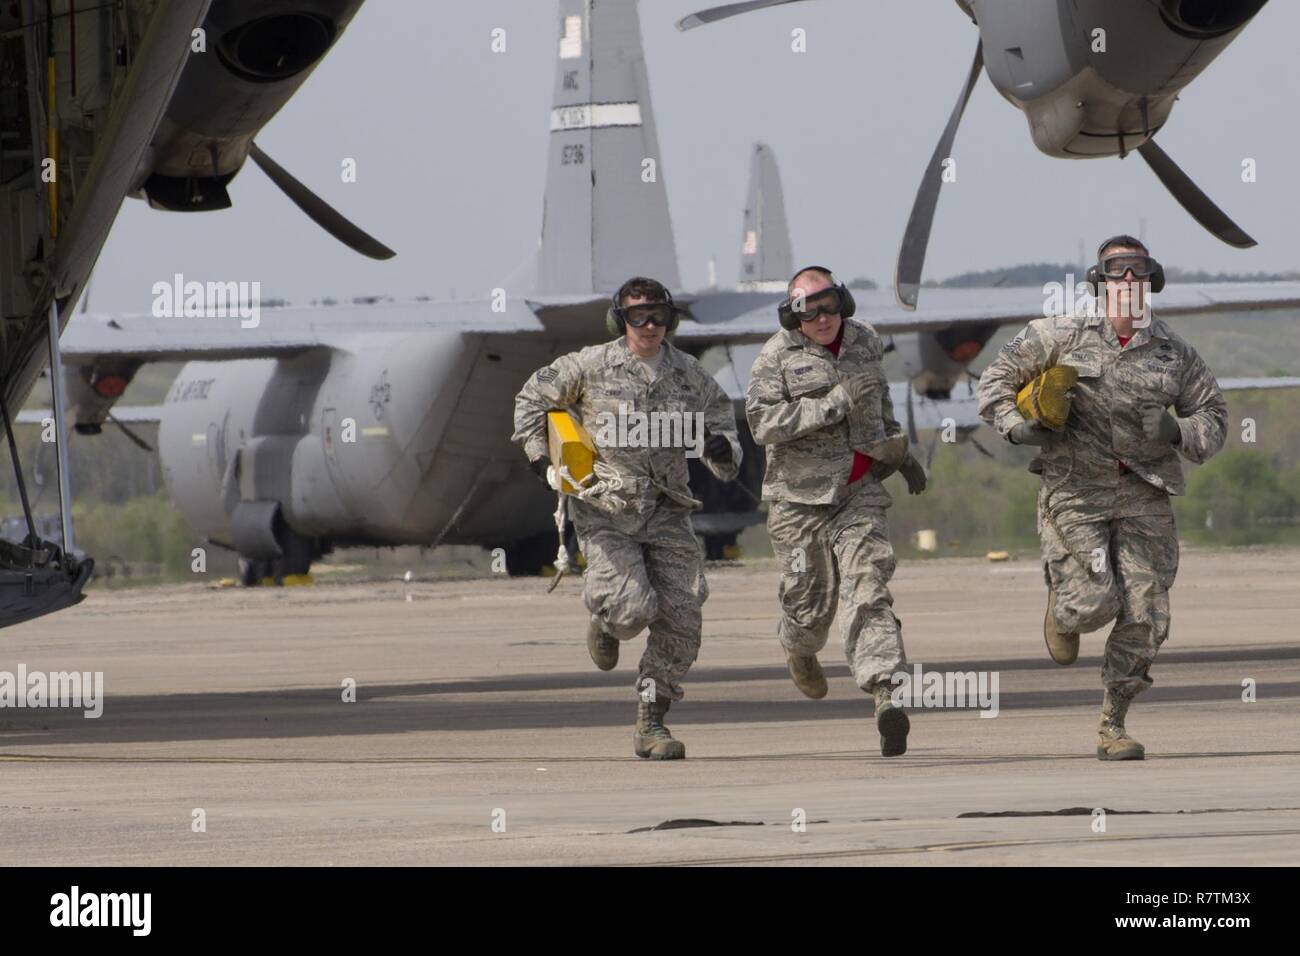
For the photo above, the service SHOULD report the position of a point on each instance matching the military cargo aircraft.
(390, 424)
(101, 101)
(1093, 78)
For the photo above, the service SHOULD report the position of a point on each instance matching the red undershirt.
(861, 462)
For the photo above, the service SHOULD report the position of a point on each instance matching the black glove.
(913, 471)
(1027, 433)
(879, 470)
(539, 466)
(1159, 425)
(718, 449)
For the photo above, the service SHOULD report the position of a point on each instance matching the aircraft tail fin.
(766, 259)
(605, 217)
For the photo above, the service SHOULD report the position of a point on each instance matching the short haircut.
(651, 290)
(1121, 242)
(811, 270)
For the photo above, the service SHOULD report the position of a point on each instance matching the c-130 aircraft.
(153, 99)
(389, 424)
(1093, 77)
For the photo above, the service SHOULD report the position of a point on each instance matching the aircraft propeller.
(321, 212)
(911, 255)
(725, 11)
(1191, 198)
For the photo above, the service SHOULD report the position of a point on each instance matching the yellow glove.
(1046, 399)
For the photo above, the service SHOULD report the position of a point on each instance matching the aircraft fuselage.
(380, 440)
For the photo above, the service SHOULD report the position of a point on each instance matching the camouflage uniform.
(644, 564)
(1110, 549)
(828, 534)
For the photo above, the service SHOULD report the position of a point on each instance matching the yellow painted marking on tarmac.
(298, 580)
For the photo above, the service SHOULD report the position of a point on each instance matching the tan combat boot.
(1113, 741)
(602, 647)
(891, 721)
(651, 738)
(1062, 645)
(806, 672)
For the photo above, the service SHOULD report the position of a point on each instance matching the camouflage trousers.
(838, 554)
(646, 569)
(1116, 564)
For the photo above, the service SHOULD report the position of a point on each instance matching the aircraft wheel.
(251, 572)
(717, 545)
(298, 553)
(526, 558)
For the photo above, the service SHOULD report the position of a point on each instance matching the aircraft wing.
(724, 319)
(276, 332)
(124, 414)
(1250, 384)
(963, 405)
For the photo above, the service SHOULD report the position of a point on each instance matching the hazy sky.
(450, 141)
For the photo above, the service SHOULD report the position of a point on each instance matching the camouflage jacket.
(1115, 386)
(609, 391)
(797, 406)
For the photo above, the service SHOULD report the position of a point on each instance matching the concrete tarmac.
(482, 734)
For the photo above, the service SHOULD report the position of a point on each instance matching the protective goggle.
(650, 313)
(813, 307)
(1116, 268)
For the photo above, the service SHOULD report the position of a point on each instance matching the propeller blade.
(911, 419)
(911, 257)
(323, 214)
(1191, 198)
(139, 442)
(726, 11)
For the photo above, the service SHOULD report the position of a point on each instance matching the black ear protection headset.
(790, 317)
(1095, 279)
(616, 317)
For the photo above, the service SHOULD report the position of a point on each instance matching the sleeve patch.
(547, 375)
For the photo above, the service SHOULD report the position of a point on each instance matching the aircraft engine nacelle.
(934, 362)
(258, 53)
(92, 390)
(1099, 78)
(1209, 18)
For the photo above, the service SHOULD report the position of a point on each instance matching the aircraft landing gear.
(252, 572)
(526, 558)
(719, 547)
(38, 576)
(296, 555)
(529, 556)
